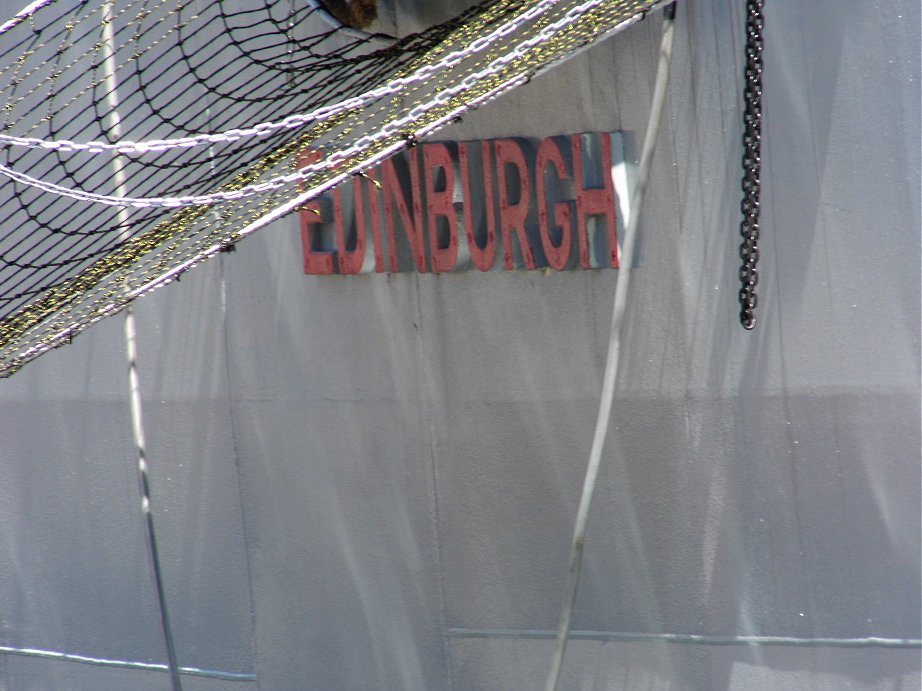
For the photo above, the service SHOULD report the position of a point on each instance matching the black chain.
(752, 163)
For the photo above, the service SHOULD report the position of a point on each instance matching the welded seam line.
(692, 639)
(125, 664)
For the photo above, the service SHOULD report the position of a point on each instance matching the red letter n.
(443, 246)
(412, 224)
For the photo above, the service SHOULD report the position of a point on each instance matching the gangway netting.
(140, 137)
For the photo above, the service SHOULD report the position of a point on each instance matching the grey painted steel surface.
(351, 472)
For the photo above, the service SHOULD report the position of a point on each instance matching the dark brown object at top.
(359, 14)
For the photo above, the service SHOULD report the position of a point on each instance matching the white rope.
(614, 348)
(23, 14)
(391, 129)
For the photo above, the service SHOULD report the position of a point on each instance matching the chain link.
(752, 163)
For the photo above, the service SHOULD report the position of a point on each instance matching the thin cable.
(131, 348)
(137, 425)
(614, 347)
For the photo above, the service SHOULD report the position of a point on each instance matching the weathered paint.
(335, 229)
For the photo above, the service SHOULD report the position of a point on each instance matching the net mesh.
(139, 138)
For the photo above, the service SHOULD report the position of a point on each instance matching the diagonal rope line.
(613, 356)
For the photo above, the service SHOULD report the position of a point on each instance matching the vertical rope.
(110, 84)
(614, 347)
